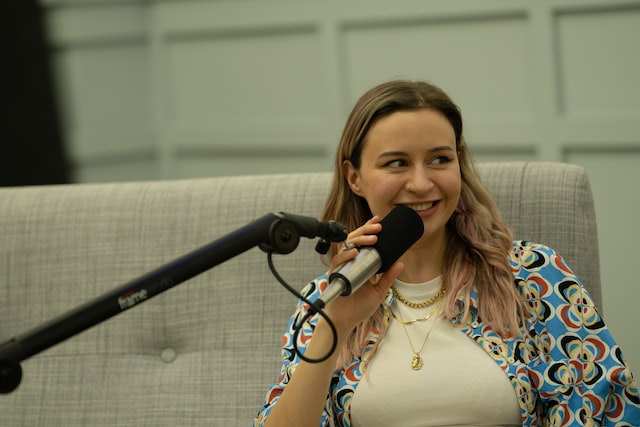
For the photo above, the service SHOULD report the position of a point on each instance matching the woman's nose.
(419, 181)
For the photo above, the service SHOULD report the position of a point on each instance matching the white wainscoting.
(175, 89)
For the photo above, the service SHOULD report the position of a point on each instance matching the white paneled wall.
(176, 89)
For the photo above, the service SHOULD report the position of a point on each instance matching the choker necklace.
(416, 360)
(423, 304)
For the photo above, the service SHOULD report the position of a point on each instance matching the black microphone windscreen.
(401, 228)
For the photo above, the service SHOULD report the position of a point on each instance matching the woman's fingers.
(365, 235)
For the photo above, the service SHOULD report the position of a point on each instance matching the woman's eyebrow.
(403, 153)
(392, 154)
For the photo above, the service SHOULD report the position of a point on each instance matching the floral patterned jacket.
(566, 371)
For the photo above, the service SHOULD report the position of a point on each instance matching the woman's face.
(410, 158)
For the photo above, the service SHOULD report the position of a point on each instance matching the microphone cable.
(298, 326)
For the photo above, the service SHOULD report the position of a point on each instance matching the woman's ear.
(352, 176)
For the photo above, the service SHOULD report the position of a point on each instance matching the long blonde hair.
(479, 241)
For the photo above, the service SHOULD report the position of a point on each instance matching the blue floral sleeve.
(579, 371)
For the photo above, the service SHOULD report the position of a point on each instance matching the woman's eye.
(395, 163)
(441, 160)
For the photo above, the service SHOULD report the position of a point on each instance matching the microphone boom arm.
(272, 233)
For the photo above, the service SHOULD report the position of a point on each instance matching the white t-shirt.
(458, 385)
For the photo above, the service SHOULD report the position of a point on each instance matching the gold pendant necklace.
(416, 360)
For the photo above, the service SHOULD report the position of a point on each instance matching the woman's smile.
(423, 209)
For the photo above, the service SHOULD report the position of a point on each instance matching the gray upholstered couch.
(203, 352)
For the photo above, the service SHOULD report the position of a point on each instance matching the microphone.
(401, 228)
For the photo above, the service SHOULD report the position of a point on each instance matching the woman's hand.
(346, 312)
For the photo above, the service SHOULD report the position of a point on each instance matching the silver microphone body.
(348, 278)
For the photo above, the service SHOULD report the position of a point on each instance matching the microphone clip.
(286, 229)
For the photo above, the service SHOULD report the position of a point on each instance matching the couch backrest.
(204, 352)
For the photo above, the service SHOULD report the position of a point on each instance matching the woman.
(404, 354)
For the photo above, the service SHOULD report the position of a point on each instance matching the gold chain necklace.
(423, 304)
(408, 322)
(416, 361)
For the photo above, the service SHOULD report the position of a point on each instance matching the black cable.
(298, 327)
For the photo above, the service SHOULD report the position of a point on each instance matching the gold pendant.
(416, 362)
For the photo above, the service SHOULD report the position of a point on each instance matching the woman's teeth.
(421, 206)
